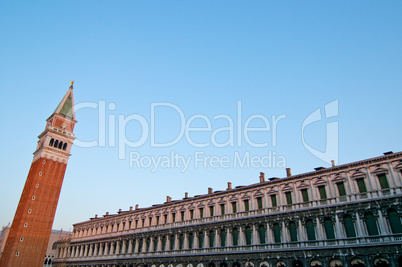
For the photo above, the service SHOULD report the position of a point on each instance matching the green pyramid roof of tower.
(67, 108)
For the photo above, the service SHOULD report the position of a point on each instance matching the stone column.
(359, 225)
(101, 249)
(337, 227)
(65, 252)
(268, 235)
(117, 251)
(300, 230)
(96, 249)
(144, 245)
(112, 250)
(151, 245)
(254, 241)
(91, 247)
(383, 229)
(283, 232)
(229, 237)
(137, 243)
(241, 236)
(206, 239)
(77, 251)
(130, 246)
(195, 241)
(69, 252)
(167, 245)
(86, 250)
(106, 249)
(320, 234)
(176, 242)
(159, 245)
(185, 245)
(124, 246)
(217, 241)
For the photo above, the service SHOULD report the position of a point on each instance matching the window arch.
(65, 146)
(329, 228)
(211, 238)
(200, 239)
(394, 221)
(60, 145)
(190, 240)
(293, 231)
(235, 237)
(51, 142)
(248, 235)
(261, 232)
(310, 230)
(349, 226)
(277, 233)
(56, 144)
(223, 238)
(371, 224)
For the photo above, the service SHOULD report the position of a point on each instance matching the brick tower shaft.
(30, 231)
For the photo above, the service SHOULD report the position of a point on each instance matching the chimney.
(131, 208)
(107, 213)
(136, 206)
(229, 186)
(96, 216)
(119, 210)
(288, 172)
(210, 190)
(262, 177)
(186, 195)
(168, 199)
(333, 163)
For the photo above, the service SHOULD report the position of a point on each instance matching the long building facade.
(346, 215)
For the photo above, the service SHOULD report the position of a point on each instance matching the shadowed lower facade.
(346, 215)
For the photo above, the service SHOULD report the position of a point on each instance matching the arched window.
(190, 240)
(148, 244)
(56, 143)
(140, 245)
(154, 248)
(200, 239)
(394, 221)
(60, 145)
(261, 233)
(211, 238)
(310, 230)
(293, 231)
(172, 242)
(248, 235)
(65, 146)
(163, 243)
(329, 228)
(277, 233)
(51, 142)
(371, 224)
(223, 238)
(349, 226)
(235, 237)
(181, 238)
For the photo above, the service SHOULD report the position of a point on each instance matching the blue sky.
(204, 58)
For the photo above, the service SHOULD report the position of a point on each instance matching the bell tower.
(30, 231)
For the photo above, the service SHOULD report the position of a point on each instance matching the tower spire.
(66, 105)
